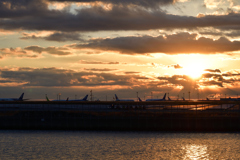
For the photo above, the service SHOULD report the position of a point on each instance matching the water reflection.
(195, 152)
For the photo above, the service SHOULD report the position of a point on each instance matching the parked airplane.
(55, 99)
(13, 99)
(183, 98)
(169, 98)
(163, 99)
(130, 100)
(84, 99)
(207, 99)
(229, 99)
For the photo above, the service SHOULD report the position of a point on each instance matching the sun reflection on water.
(195, 152)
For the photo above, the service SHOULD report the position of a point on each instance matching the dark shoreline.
(100, 116)
(90, 120)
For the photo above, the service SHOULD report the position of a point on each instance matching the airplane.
(14, 99)
(207, 99)
(163, 99)
(55, 99)
(84, 99)
(169, 98)
(183, 98)
(129, 100)
(229, 99)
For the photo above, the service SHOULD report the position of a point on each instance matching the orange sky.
(119, 46)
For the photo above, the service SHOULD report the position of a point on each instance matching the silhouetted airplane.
(14, 99)
(55, 99)
(130, 100)
(84, 99)
(163, 99)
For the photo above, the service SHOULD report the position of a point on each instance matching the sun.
(193, 67)
(194, 72)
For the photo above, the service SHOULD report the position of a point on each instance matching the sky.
(145, 48)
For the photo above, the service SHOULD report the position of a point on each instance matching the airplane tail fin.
(47, 98)
(67, 98)
(116, 97)
(139, 99)
(21, 97)
(169, 98)
(164, 97)
(85, 98)
(207, 99)
(183, 98)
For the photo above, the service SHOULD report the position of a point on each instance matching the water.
(117, 145)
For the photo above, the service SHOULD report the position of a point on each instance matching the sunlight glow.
(193, 66)
(195, 152)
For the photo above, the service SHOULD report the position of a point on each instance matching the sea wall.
(133, 120)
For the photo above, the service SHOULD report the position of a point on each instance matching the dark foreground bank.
(121, 120)
(85, 116)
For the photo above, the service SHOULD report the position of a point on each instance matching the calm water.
(118, 145)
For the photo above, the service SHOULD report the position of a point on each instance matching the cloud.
(176, 66)
(130, 81)
(61, 77)
(213, 70)
(36, 15)
(56, 36)
(50, 50)
(96, 62)
(143, 3)
(132, 73)
(99, 70)
(16, 52)
(169, 44)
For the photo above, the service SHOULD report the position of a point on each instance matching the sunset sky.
(119, 46)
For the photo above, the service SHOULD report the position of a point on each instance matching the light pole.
(91, 95)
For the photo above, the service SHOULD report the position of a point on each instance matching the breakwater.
(153, 116)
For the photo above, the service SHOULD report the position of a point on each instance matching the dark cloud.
(229, 74)
(132, 72)
(169, 44)
(212, 83)
(35, 15)
(23, 8)
(62, 37)
(59, 77)
(144, 3)
(16, 52)
(177, 66)
(99, 69)
(65, 80)
(57, 36)
(214, 76)
(96, 62)
(51, 50)
(213, 70)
